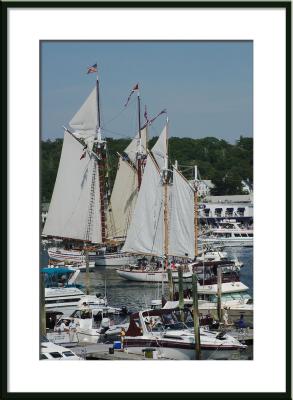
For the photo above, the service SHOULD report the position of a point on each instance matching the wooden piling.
(180, 288)
(42, 308)
(87, 271)
(219, 293)
(170, 284)
(196, 318)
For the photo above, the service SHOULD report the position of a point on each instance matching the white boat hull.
(115, 260)
(59, 254)
(151, 276)
(173, 353)
(228, 242)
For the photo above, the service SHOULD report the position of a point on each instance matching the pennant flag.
(92, 69)
(83, 155)
(131, 93)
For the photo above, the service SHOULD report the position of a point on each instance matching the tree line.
(225, 164)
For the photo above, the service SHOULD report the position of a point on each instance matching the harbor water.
(138, 295)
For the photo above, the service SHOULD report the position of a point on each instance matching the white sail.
(181, 226)
(145, 234)
(74, 210)
(160, 149)
(133, 147)
(123, 199)
(84, 121)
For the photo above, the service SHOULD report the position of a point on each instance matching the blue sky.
(205, 86)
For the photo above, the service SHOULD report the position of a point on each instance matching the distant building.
(238, 207)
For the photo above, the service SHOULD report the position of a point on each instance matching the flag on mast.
(92, 69)
(135, 88)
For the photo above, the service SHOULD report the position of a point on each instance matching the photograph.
(146, 230)
(146, 190)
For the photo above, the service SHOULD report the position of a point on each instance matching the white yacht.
(162, 331)
(228, 234)
(51, 351)
(151, 273)
(90, 323)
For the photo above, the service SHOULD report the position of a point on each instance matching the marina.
(133, 272)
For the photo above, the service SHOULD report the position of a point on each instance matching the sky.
(206, 87)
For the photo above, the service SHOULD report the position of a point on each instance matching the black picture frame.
(5, 202)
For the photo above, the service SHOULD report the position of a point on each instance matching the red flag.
(83, 155)
(131, 93)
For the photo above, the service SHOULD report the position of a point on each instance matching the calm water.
(135, 295)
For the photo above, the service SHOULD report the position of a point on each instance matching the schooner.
(79, 208)
(163, 222)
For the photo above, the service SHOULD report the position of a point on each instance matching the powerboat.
(52, 351)
(89, 325)
(228, 233)
(162, 331)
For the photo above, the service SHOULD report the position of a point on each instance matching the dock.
(100, 351)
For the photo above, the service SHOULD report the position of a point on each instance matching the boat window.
(70, 300)
(228, 235)
(250, 234)
(243, 234)
(237, 234)
(55, 354)
(68, 353)
(43, 357)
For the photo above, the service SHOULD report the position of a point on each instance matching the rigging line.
(115, 117)
(117, 133)
(122, 110)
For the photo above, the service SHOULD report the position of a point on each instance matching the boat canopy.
(58, 271)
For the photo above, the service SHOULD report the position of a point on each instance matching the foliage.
(223, 163)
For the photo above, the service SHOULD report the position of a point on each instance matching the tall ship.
(79, 205)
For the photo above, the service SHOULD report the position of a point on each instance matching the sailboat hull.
(151, 276)
(114, 259)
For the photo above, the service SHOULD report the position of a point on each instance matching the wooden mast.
(166, 216)
(100, 150)
(195, 218)
(139, 154)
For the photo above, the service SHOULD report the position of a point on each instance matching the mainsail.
(145, 234)
(74, 210)
(125, 189)
(181, 228)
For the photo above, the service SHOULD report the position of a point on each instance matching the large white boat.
(152, 274)
(228, 234)
(52, 351)
(90, 324)
(162, 331)
(66, 299)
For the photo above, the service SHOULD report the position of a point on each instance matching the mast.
(139, 154)
(100, 150)
(195, 221)
(165, 189)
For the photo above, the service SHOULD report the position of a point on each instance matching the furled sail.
(74, 210)
(181, 227)
(133, 147)
(122, 201)
(84, 121)
(145, 234)
(160, 149)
